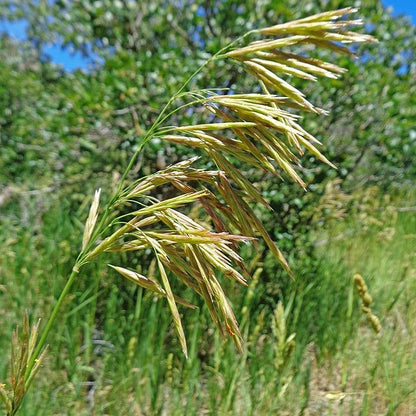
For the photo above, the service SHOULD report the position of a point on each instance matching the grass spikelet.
(248, 223)
(231, 323)
(172, 305)
(205, 287)
(304, 64)
(329, 15)
(332, 46)
(285, 69)
(92, 219)
(149, 284)
(37, 365)
(216, 126)
(174, 202)
(280, 85)
(264, 45)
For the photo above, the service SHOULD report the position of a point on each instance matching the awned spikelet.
(149, 284)
(92, 219)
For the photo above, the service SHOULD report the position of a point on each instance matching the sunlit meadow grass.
(376, 372)
(129, 362)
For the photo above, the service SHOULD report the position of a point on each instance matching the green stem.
(160, 120)
(51, 320)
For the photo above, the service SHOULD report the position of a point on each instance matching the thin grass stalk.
(48, 326)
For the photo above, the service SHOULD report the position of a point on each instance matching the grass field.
(114, 350)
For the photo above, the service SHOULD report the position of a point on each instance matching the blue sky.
(72, 61)
(403, 7)
(69, 60)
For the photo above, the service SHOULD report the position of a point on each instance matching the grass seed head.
(366, 301)
(375, 322)
(260, 130)
(92, 219)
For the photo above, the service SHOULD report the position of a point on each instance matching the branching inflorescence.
(259, 129)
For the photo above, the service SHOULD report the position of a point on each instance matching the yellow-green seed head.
(367, 299)
(375, 322)
(365, 309)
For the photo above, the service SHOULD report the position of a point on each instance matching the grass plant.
(194, 235)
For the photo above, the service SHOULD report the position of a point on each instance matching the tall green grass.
(115, 352)
(379, 370)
